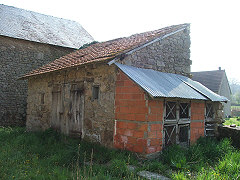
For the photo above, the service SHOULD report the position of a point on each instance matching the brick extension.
(197, 120)
(138, 120)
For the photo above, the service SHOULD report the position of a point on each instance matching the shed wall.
(197, 120)
(98, 114)
(139, 119)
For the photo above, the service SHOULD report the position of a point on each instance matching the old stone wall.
(18, 57)
(98, 114)
(230, 132)
(171, 55)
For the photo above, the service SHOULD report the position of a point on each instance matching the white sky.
(215, 24)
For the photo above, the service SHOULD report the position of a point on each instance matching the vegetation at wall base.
(50, 155)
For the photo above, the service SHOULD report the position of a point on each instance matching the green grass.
(235, 107)
(205, 160)
(49, 155)
(234, 120)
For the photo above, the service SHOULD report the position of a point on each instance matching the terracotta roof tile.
(103, 51)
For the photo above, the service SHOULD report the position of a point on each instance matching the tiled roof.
(210, 79)
(104, 50)
(32, 26)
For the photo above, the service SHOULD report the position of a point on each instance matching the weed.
(50, 155)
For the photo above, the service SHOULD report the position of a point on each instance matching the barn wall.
(18, 57)
(171, 55)
(98, 115)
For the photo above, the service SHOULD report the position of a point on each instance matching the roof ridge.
(33, 26)
(103, 50)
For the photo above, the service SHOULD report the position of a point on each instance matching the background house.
(29, 40)
(217, 82)
(127, 93)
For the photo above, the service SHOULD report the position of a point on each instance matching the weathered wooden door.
(76, 112)
(57, 108)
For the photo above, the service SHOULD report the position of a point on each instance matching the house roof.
(210, 79)
(105, 50)
(159, 84)
(32, 26)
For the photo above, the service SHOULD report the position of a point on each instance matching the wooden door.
(57, 109)
(76, 113)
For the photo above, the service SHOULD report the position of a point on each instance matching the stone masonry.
(18, 57)
(171, 55)
(98, 114)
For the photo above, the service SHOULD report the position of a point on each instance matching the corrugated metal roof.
(203, 89)
(32, 26)
(159, 84)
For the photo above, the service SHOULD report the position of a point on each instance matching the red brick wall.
(155, 117)
(138, 125)
(139, 121)
(197, 120)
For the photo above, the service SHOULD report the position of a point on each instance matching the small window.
(184, 110)
(42, 98)
(171, 110)
(95, 92)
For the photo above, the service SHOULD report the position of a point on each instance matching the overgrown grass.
(207, 159)
(49, 155)
(234, 120)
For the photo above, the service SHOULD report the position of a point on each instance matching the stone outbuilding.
(129, 93)
(217, 82)
(28, 40)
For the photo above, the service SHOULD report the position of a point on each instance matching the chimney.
(219, 68)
